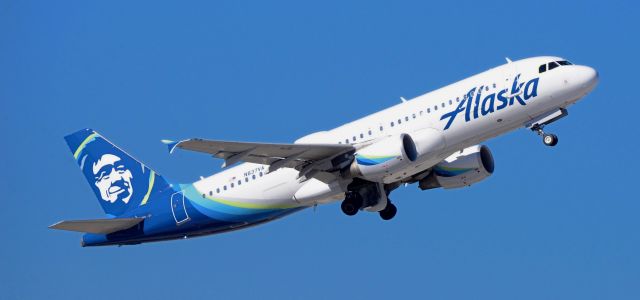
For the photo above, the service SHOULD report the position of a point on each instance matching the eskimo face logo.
(113, 179)
(473, 109)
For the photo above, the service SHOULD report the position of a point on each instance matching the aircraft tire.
(550, 139)
(388, 212)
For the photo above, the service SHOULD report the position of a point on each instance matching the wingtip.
(171, 145)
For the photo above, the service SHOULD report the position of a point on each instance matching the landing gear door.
(178, 208)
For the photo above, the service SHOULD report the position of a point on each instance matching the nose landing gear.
(549, 139)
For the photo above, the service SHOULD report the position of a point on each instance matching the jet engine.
(461, 169)
(384, 157)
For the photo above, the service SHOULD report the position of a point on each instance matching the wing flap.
(97, 226)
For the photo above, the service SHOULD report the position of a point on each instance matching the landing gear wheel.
(388, 212)
(550, 139)
(351, 204)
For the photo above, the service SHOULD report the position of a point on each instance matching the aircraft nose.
(587, 77)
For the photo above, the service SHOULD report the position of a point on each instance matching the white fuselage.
(557, 88)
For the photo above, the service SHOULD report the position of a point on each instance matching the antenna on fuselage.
(508, 60)
(403, 99)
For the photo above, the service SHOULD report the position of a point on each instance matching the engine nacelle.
(384, 157)
(461, 169)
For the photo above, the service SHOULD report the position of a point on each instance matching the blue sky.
(551, 223)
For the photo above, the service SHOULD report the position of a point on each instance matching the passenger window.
(260, 174)
(391, 124)
(381, 128)
(414, 116)
(486, 88)
(232, 185)
(435, 107)
(218, 190)
(346, 141)
(224, 187)
(428, 110)
(542, 68)
(246, 179)
(354, 138)
(406, 118)
(442, 104)
(457, 99)
(239, 182)
(399, 121)
(369, 132)
(421, 113)
(494, 85)
(253, 176)
(553, 65)
(450, 102)
(210, 193)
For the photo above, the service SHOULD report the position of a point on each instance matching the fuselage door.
(178, 208)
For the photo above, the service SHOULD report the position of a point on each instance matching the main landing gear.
(388, 212)
(548, 139)
(353, 202)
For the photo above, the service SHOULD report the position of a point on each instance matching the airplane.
(433, 140)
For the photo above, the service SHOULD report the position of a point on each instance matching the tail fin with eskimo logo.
(120, 182)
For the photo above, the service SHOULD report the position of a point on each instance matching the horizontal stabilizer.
(97, 226)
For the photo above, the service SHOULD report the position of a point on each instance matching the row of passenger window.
(233, 184)
(406, 118)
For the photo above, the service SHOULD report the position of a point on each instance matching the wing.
(311, 160)
(98, 226)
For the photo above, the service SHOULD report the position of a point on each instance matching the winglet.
(171, 145)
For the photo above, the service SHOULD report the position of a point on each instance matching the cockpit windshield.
(552, 65)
